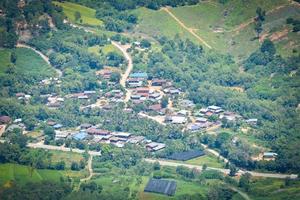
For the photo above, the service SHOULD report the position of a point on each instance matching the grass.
(87, 14)
(28, 63)
(274, 189)
(113, 183)
(159, 23)
(67, 157)
(21, 174)
(208, 17)
(208, 159)
(105, 49)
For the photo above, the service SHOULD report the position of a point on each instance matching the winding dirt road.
(124, 76)
(89, 168)
(43, 56)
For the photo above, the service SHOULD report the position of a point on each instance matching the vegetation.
(79, 14)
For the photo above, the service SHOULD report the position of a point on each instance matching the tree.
(156, 166)
(233, 170)
(13, 57)
(17, 137)
(244, 181)
(164, 102)
(145, 43)
(74, 166)
(77, 15)
(60, 165)
(115, 77)
(49, 131)
(268, 46)
(204, 167)
(81, 164)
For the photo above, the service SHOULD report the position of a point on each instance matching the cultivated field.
(28, 63)
(87, 14)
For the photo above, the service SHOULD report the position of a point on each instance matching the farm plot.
(28, 63)
(87, 14)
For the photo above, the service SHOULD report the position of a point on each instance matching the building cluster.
(92, 134)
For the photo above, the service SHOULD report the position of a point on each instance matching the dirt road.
(129, 68)
(43, 56)
(60, 148)
(190, 30)
(89, 168)
(225, 171)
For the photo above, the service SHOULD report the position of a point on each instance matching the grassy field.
(215, 22)
(113, 183)
(274, 189)
(28, 63)
(159, 23)
(21, 174)
(208, 159)
(87, 14)
(67, 157)
(105, 49)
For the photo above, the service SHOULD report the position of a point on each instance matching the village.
(153, 98)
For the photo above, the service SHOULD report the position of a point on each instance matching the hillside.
(227, 27)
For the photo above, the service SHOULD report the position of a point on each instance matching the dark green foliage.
(44, 190)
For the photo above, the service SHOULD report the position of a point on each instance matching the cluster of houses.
(95, 135)
(51, 80)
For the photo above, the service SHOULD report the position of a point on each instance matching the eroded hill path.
(252, 20)
(190, 30)
(43, 56)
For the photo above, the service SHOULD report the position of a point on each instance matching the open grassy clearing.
(87, 14)
(113, 183)
(274, 189)
(212, 25)
(28, 63)
(159, 23)
(105, 49)
(21, 174)
(67, 157)
(208, 159)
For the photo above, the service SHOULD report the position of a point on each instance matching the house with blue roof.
(80, 136)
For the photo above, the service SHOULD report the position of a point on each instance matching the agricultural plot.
(166, 187)
(22, 174)
(159, 23)
(28, 63)
(67, 157)
(187, 155)
(87, 14)
(105, 49)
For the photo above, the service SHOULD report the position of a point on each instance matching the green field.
(67, 157)
(21, 174)
(28, 63)
(208, 159)
(214, 22)
(87, 14)
(113, 183)
(159, 23)
(105, 49)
